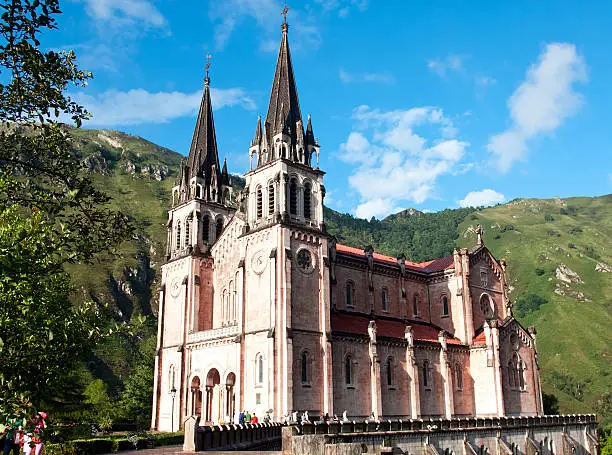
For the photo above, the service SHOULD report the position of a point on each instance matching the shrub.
(571, 245)
(562, 211)
(553, 234)
(528, 303)
(497, 237)
(574, 230)
(548, 217)
(508, 227)
(590, 252)
(539, 272)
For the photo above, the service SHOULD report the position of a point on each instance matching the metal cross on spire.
(284, 13)
(206, 67)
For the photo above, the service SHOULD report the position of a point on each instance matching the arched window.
(187, 233)
(259, 367)
(224, 306)
(231, 303)
(293, 197)
(206, 228)
(307, 201)
(385, 300)
(172, 378)
(226, 196)
(521, 374)
(350, 294)
(415, 305)
(198, 191)
(271, 205)
(426, 375)
(389, 371)
(305, 368)
(459, 376)
(348, 370)
(219, 227)
(444, 306)
(259, 202)
(178, 235)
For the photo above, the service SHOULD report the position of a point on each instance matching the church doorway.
(230, 397)
(196, 397)
(213, 379)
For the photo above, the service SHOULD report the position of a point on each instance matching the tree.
(50, 214)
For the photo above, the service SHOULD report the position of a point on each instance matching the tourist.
(13, 436)
(326, 417)
(336, 419)
(241, 417)
(247, 417)
(305, 418)
(294, 419)
(267, 418)
(254, 419)
(345, 416)
(40, 425)
(321, 417)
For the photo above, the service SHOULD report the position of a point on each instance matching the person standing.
(254, 419)
(247, 417)
(241, 417)
(40, 425)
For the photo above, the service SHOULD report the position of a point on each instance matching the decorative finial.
(285, 26)
(207, 67)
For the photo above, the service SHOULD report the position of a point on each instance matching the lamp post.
(173, 394)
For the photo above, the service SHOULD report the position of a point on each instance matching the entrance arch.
(196, 397)
(212, 379)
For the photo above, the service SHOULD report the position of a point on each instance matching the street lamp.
(173, 394)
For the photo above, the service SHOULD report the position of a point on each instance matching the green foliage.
(50, 215)
(508, 227)
(420, 237)
(97, 446)
(539, 272)
(101, 412)
(528, 303)
(574, 230)
(551, 404)
(549, 218)
(568, 384)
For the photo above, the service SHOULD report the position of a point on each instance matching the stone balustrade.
(213, 334)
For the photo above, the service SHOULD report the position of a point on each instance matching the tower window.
(187, 233)
(178, 235)
(259, 203)
(307, 201)
(271, 206)
(293, 197)
(348, 370)
(219, 227)
(459, 376)
(206, 228)
(259, 363)
(385, 300)
(415, 305)
(444, 306)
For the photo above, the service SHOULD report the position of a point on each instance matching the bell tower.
(284, 183)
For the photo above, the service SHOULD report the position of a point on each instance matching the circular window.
(304, 261)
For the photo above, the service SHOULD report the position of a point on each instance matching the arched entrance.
(196, 397)
(230, 397)
(212, 379)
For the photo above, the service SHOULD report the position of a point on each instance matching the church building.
(261, 309)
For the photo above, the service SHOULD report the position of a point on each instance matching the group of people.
(246, 417)
(295, 417)
(24, 437)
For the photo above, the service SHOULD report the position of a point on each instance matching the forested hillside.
(558, 253)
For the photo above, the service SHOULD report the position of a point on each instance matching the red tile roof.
(480, 338)
(357, 324)
(436, 265)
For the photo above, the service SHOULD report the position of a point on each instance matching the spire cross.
(284, 13)
(207, 66)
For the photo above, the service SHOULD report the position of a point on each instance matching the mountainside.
(558, 251)
(559, 254)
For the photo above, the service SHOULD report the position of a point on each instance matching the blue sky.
(429, 105)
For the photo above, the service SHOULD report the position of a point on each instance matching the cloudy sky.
(430, 105)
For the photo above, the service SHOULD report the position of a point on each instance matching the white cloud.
(228, 14)
(122, 11)
(138, 106)
(441, 67)
(395, 162)
(480, 198)
(383, 78)
(343, 7)
(541, 103)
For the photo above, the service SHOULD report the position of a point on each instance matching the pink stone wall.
(431, 397)
(395, 396)
(356, 398)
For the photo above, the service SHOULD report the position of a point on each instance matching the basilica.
(260, 308)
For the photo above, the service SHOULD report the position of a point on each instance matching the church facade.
(261, 309)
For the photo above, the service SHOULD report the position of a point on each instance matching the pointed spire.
(203, 158)
(258, 133)
(284, 107)
(225, 180)
(310, 139)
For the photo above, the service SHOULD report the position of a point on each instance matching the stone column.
(325, 328)
(376, 397)
(412, 370)
(492, 336)
(446, 372)
(536, 373)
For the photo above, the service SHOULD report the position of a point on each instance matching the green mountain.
(559, 254)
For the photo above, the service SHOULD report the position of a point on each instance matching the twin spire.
(284, 116)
